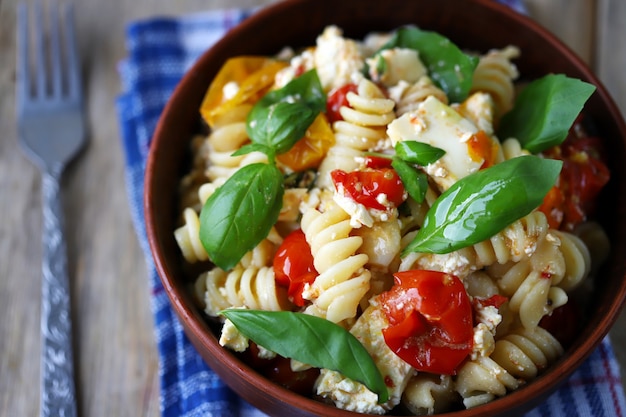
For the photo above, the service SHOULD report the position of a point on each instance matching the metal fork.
(50, 120)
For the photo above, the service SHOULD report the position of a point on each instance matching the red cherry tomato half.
(377, 162)
(336, 100)
(293, 265)
(367, 187)
(582, 177)
(431, 324)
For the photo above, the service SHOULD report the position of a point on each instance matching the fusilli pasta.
(362, 129)
(359, 222)
(342, 280)
(495, 74)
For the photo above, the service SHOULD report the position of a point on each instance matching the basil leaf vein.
(311, 340)
(482, 204)
(415, 181)
(240, 213)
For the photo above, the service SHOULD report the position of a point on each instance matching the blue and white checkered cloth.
(160, 50)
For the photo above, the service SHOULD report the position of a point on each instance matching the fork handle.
(57, 363)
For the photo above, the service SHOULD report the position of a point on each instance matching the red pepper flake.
(546, 275)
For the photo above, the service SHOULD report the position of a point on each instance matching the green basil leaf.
(279, 125)
(418, 152)
(306, 88)
(241, 213)
(482, 204)
(544, 111)
(282, 116)
(311, 340)
(415, 181)
(448, 67)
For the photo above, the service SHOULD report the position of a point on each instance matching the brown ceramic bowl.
(476, 25)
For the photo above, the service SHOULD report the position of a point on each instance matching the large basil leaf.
(311, 340)
(282, 116)
(450, 68)
(241, 213)
(544, 111)
(482, 204)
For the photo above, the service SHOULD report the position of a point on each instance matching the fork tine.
(23, 84)
(40, 61)
(73, 60)
(55, 51)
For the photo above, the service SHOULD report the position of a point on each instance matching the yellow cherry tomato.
(250, 78)
(309, 151)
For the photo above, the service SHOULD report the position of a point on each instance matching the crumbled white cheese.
(338, 60)
(454, 263)
(297, 65)
(359, 214)
(348, 394)
(230, 90)
(265, 353)
(484, 342)
(397, 91)
(232, 338)
(489, 316)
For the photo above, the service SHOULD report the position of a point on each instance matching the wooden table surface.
(116, 361)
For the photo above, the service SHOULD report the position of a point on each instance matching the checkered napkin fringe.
(160, 50)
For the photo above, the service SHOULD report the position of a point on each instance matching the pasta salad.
(393, 223)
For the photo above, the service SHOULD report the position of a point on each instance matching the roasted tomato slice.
(251, 77)
(293, 266)
(336, 100)
(377, 189)
(431, 324)
(309, 151)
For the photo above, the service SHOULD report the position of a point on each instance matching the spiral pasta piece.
(481, 380)
(188, 237)
(228, 134)
(252, 287)
(516, 359)
(342, 279)
(531, 284)
(495, 74)
(362, 129)
(577, 260)
(428, 394)
(525, 353)
(413, 94)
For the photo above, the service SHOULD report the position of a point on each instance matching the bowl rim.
(196, 327)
